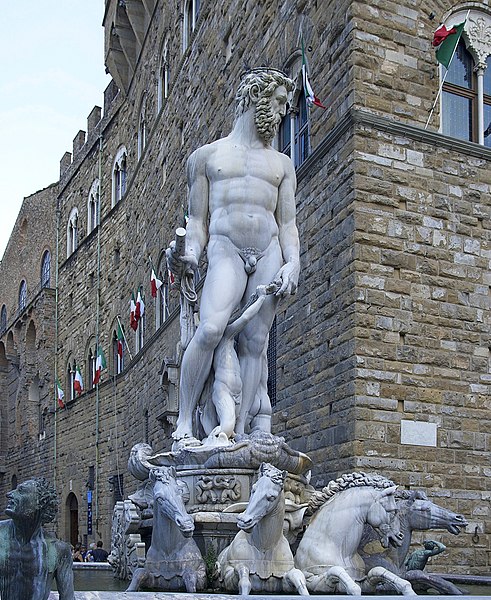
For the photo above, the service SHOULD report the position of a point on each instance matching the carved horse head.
(167, 499)
(422, 514)
(265, 496)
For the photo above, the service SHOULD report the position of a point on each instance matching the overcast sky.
(53, 74)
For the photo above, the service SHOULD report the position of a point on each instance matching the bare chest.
(250, 166)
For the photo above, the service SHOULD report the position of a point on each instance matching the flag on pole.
(445, 41)
(120, 342)
(59, 394)
(140, 307)
(309, 92)
(133, 319)
(78, 384)
(156, 284)
(100, 364)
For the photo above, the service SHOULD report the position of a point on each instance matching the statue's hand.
(177, 264)
(287, 278)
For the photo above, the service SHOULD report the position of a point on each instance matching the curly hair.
(261, 83)
(46, 498)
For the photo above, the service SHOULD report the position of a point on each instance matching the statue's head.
(269, 90)
(32, 499)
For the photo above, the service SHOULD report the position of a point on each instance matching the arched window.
(167, 298)
(142, 128)
(70, 378)
(3, 319)
(466, 90)
(22, 295)
(140, 331)
(119, 176)
(91, 354)
(72, 232)
(164, 75)
(93, 207)
(191, 11)
(118, 350)
(46, 269)
(294, 132)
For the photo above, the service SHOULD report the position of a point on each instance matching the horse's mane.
(345, 482)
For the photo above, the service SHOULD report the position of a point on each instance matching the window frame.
(72, 232)
(93, 207)
(119, 176)
(475, 42)
(22, 297)
(46, 269)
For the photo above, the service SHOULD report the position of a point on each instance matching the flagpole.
(124, 337)
(445, 76)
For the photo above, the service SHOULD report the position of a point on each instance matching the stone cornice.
(361, 118)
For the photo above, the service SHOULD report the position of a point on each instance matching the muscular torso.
(26, 570)
(243, 193)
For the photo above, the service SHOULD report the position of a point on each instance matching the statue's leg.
(253, 344)
(338, 577)
(244, 580)
(137, 580)
(295, 579)
(190, 578)
(223, 290)
(382, 575)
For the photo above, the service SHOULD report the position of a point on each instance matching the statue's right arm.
(198, 190)
(64, 572)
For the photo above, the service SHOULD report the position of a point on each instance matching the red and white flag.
(156, 284)
(140, 307)
(133, 319)
(78, 384)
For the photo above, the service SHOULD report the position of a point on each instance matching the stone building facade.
(382, 358)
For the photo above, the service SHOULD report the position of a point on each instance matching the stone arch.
(11, 349)
(71, 519)
(4, 365)
(3, 357)
(31, 337)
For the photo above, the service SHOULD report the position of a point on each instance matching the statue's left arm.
(287, 276)
(64, 572)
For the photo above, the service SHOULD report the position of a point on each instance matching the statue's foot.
(217, 437)
(184, 440)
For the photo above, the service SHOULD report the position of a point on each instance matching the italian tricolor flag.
(309, 92)
(120, 342)
(140, 307)
(59, 395)
(445, 41)
(133, 319)
(78, 384)
(155, 283)
(100, 364)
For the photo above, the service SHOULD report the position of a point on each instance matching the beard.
(267, 122)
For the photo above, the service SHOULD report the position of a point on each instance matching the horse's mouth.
(457, 525)
(187, 529)
(246, 526)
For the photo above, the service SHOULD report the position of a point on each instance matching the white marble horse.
(173, 560)
(328, 552)
(259, 557)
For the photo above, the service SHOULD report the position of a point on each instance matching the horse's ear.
(173, 472)
(151, 475)
(389, 491)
